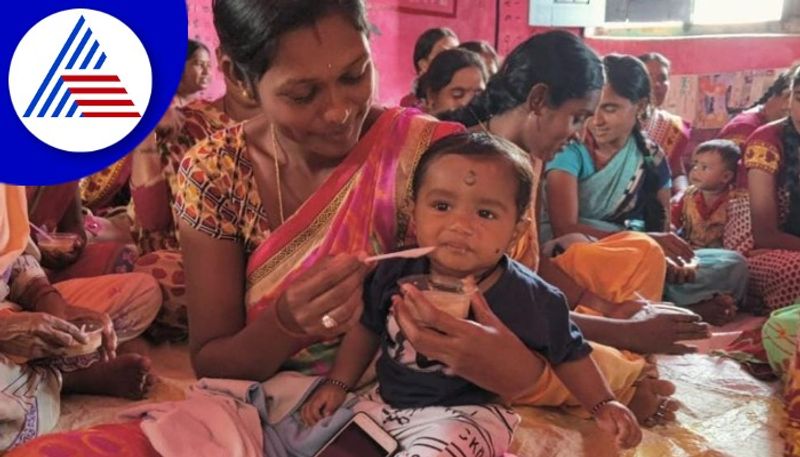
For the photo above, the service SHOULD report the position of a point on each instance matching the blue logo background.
(161, 26)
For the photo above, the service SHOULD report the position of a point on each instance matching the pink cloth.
(215, 419)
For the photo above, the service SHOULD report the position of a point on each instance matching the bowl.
(446, 294)
(94, 336)
(58, 243)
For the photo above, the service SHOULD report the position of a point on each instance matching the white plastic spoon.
(407, 254)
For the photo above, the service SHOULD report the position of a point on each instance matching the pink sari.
(362, 206)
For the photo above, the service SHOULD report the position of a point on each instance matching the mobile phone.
(360, 437)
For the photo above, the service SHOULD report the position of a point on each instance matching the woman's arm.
(72, 221)
(150, 191)
(562, 205)
(485, 351)
(764, 213)
(31, 289)
(652, 333)
(220, 343)
(664, 197)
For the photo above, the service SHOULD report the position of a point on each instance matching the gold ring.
(328, 322)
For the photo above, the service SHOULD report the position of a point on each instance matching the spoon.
(407, 254)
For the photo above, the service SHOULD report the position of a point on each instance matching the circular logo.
(87, 81)
(80, 80)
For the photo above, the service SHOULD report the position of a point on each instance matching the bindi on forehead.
(471, 178)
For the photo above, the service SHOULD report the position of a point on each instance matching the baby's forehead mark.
(471, 178)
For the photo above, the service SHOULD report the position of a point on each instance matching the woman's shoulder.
(741, 127)
(752, 118)
(770, 133)
(413, 118)
(764, 146)
(569, 158)
(217, 154)
(203, 117)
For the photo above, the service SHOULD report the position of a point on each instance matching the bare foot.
(718, 310)
(126, 376)
(651, 403)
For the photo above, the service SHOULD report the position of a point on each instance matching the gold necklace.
(275, 148)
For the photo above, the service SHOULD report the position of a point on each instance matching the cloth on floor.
(218, 417)
(239, 418)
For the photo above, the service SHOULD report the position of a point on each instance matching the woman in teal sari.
(619, 180)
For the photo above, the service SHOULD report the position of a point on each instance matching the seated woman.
(107, 193)
(772, 159)
(154, 187)
(530, 102)
(35, 334)
(617, 179)
(196, 73)
(668, 130)
(773, 105)
(454, 77)
(490, 59)
(58, 209)
(428, 46)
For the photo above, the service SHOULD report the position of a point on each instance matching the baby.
(470, 192)
(700, 215)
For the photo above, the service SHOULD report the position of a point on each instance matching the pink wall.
(393, 46)
(703, 55)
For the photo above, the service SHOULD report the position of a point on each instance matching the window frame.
(788, 24)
